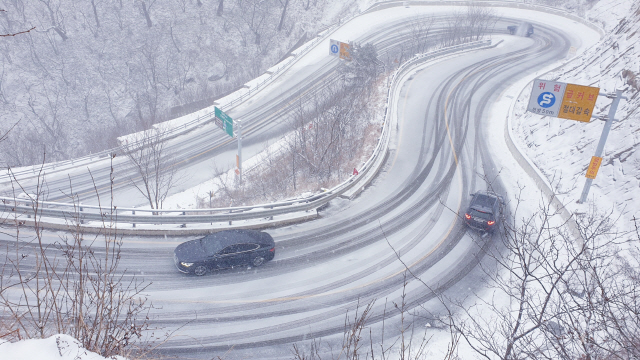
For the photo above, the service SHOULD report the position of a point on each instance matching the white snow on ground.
(562, 149)
(57, 347)
(188, 199)
(349, 31)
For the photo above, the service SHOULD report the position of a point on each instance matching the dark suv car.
(484, 211)
(224, 249)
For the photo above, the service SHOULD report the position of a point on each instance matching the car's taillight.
(490, 222)
(467, 216)
(272, 249)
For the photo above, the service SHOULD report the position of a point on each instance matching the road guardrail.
(24, 207)
(57, 210)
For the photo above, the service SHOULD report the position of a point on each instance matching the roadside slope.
(562, 149)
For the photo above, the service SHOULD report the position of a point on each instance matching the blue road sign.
(546, 99)
(334, 47)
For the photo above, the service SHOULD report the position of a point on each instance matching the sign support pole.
(239, 150)
(603, 140)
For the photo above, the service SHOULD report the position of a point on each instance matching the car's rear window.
(480, 214)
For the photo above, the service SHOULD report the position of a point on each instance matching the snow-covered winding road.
(325, 267)
(442, 151)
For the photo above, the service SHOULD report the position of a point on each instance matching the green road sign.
(225, 122)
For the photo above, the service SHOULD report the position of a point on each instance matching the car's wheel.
(200, 270)
(257, 261)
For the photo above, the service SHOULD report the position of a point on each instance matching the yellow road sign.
(578, 102)
(345, 51)
(592, 171)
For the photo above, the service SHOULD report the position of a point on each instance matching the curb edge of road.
(530, 168)
(526, 163)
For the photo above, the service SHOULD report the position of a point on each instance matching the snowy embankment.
(561, 149)
(56, 347)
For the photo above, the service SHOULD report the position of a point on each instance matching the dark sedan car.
(483, 212)
(224, 249)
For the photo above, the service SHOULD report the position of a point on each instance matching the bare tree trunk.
(146, 14)
(95, 13)
(173, 39)
(155, 167)
(56, 24)
(220, 7)
(284, 11)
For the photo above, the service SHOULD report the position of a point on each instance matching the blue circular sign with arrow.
(546, 99)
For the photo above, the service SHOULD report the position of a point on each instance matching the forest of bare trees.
(466, 24)
(91, 71)
(336, 129)
(549, 290)
(333, 130)
(555, 290)
(73, 285)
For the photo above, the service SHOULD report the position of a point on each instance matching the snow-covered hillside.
(89, 72)
(562, 149)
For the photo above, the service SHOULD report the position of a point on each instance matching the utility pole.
(603, 139)
(239, 159)
(233, 129)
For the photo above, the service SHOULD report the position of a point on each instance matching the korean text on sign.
(578, 102)
(594, 165)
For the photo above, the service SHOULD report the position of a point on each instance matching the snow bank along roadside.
(56, 347)
(561, 149)
(502, 118)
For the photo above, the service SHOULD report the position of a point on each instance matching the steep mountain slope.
(562, 149)
(92, 71)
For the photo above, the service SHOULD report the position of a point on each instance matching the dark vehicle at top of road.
(484, 211)
(524, 29)
(224, 249)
